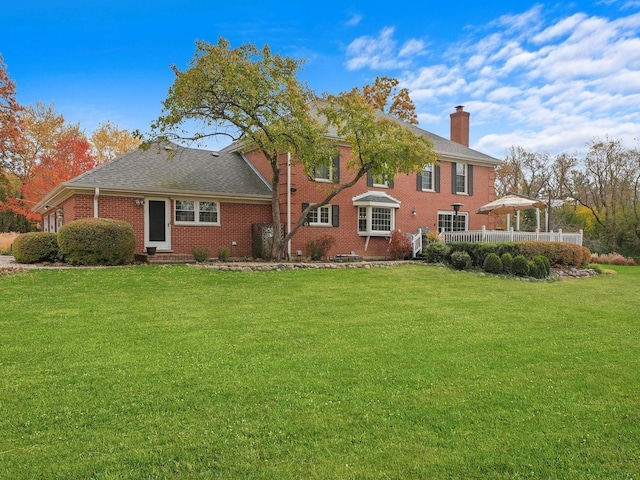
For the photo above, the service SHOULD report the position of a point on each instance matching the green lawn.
(405, 372)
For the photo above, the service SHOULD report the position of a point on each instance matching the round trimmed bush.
(534, 270)
(492, 263)
(507, 263)
(97, 241)
(461, 260)
(36, 247)
(436, 252)
(520, 266)
(544, 265)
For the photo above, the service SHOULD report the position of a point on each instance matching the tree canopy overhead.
(254, 95)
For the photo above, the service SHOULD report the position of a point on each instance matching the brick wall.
(235, 226)
(426, 204)
(236, 220)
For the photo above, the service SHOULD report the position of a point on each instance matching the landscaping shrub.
(461, 260)
(36, 247)
(511, 248)
(534, 269)
(97, 241)
(544, 265)
(480, 250)
(318, 248)
(520, 266)
(611, 259)
(558, 253)
(492, 263)
(200, 254)
(507, 263)
(432, 236)
(399, 246)
(436, 252)
(223, 253)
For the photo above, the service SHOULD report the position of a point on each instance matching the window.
(376, 213)
(427, 178)
(320, 216)
(446, 221)
(193, 212)
(325, 216)
(322, 174)
(376, 220)
(328, 173)
(380, 181)
(461, 178)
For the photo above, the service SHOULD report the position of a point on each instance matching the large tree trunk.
(277, 246)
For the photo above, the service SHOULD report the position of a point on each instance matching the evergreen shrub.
(436, 252)
(507, 263)
(461, 260)
(520, 266)
(492, 263)
(36, 247)
(97, 241)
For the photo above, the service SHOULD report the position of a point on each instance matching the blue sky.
(547, 76)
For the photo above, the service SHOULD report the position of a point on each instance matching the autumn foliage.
(70, 158)
(39, 150)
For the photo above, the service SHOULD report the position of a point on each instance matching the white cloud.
(354, 20)
(381, 52)
(411, 48)
(547, 84)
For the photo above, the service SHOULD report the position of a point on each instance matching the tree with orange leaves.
(71, 157)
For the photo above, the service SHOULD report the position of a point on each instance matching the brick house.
(177, 198)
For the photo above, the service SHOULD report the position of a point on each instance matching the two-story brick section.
(177, 198)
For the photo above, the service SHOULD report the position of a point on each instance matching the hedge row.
(558, 254)
(525, 259)
(90, 241)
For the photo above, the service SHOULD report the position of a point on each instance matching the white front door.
(157, 223)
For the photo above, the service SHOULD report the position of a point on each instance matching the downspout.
(95, 202)
(289, 204)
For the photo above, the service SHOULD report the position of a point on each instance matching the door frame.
(166, 245)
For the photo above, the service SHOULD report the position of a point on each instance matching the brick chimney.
(460, 126)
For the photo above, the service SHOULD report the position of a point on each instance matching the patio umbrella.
(510, 204)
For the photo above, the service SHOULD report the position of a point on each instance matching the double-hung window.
(196, 212)
(328, 173)
(428, 178)
(320, 216)
(462, 178)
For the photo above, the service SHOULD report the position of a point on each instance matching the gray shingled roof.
(444, 148)
(176, 169)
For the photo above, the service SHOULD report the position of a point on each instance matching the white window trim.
(369, 232)
(328, 223)
(433, 180)
(453, 214)
(466, 179)
(323, 179)
(196, 221)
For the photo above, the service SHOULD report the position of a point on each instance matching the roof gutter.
(96, 194)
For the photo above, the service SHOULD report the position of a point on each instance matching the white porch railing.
(416, 242)
(497, 236)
